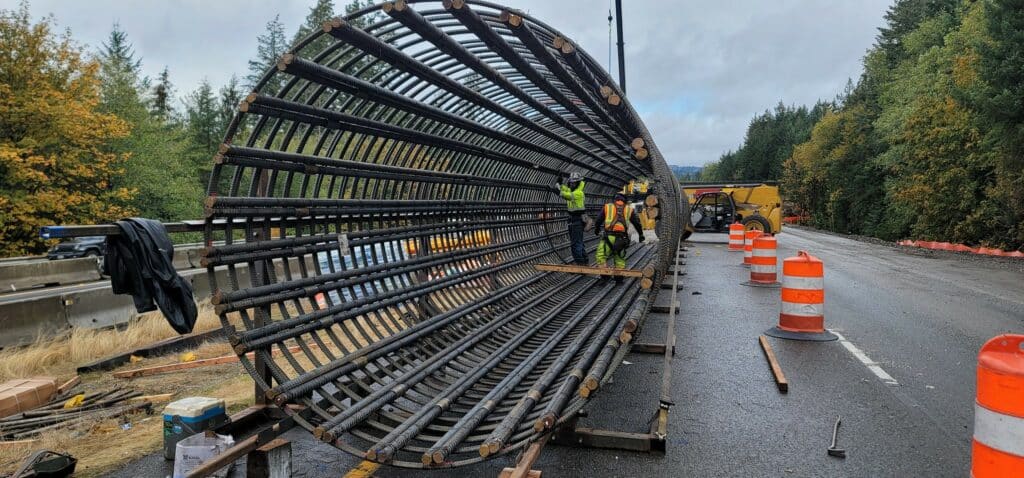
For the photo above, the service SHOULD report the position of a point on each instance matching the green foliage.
(769, 141)
(155, 150)
(320, 12)
(269, 48)
(927, 145)
(54, 168)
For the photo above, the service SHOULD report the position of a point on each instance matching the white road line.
(864, 359)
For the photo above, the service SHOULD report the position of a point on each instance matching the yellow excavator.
(714, 206)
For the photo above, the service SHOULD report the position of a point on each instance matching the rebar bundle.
(389, 186)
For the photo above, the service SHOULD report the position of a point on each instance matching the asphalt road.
(920, 316)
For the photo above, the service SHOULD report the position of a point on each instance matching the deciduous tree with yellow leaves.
(54, 168)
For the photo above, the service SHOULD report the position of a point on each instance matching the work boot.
(619, 279)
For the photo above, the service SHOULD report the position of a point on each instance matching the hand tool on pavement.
(833, 450)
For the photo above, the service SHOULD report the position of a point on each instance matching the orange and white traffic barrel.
(763, 271)
(748, 246)
(803, 300)
(736, 237)
(997, 449)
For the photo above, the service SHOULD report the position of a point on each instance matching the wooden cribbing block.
(273, 460)
(664, 308)
(780, 379)
(597, 271)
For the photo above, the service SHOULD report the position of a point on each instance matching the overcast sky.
(696, 70)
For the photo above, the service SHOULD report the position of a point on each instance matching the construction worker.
(615, 235)
(572, 192)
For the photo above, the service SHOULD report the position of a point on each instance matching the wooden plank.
(598, 271)
(273, 460)
(231, 455)
(174, 367)
(780, 379)
(641, 348)
(608, 439)
(162, 397)
(506, 472)
(163, 347)
(526, 461)
(69, 384)
(665, 308)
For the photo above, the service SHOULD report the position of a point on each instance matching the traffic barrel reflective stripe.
(802, 315)
(997, 449)
(735, 236)
(763, 260)
(748, 246)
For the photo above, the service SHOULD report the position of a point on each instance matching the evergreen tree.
(156, 166)
(230, 97)
(319, 13)
(204, 128)
(269, 48)
(162, 93)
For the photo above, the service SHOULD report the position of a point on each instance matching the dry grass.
(105, 446)
(59, 356)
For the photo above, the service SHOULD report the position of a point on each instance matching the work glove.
(642, 238)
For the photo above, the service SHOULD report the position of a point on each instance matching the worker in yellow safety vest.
(615, 235)
(572, 192)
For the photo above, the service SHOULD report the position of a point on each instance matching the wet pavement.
(920, 317)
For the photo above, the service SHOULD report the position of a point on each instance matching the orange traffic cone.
(997, 448)
(736, 237)
(748, 246)
(803, 300)
(763, 272)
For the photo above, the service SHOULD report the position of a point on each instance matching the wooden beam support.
(273, 460)
(607, 439)
(666, 308)
(598, 271)
(526, 461)
(780, 379)
(174, 367)
(641, 348)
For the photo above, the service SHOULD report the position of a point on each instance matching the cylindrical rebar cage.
(389, 187)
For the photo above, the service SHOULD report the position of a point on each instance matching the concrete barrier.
(35, 273)
(90, 306)
(26, 320)
(97, 308)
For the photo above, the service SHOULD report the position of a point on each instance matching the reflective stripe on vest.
(611, 215)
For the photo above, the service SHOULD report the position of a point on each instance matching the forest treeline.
(928, 143)
(86, 138)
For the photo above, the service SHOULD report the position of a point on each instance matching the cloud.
(697, 70)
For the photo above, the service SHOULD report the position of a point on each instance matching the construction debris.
(91, 407)
(25, 394)
(780, 379)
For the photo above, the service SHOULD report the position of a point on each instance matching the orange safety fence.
(948, 246)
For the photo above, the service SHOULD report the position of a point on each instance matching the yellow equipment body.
(757, 205)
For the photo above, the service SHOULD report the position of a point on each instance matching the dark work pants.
(576, 238)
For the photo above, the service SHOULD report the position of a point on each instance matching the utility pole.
(622, 60)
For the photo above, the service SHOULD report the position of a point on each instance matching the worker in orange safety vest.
(615, 235)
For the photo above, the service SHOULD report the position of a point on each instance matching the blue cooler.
(189, 416)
